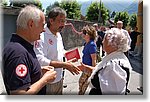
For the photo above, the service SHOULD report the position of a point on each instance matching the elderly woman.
(111, 75)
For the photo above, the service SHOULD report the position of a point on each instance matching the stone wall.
(70, 38)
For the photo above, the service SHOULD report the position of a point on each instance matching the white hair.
(117, 39)
(27, 13)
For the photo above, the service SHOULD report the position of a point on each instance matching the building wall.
(70, 38)
(9, 26)
(140, 16)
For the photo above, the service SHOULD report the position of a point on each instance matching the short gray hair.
(27, 13)
(117, 39)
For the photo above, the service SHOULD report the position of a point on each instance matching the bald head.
(119, 24)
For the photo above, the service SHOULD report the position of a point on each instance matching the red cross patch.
(50, 42)
(36, 44)
(21, 70)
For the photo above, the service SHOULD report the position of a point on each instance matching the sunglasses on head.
(84, 32)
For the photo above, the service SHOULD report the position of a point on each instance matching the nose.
(62, 24)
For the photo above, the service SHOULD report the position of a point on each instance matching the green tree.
(72, 8)
(122, 16)
(133, 20)
(113, 14)
(93, 12)
(22, 3)
(4, 3)
(56, 4)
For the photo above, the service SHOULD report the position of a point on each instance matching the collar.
(112, 56)
(17, 38)
(89, 42)
(47, 30)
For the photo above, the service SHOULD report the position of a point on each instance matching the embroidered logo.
(21, 70)
(36, 44)
(50, 42)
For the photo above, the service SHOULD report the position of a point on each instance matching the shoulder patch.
(21, 70)
(36, 44)
(51, 42)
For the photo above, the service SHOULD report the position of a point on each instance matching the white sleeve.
(41, 51)
(128, 36)
(112, 79)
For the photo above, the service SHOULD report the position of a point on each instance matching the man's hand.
(49, 74)
(72, 68)
(46, 68)
(73, 60)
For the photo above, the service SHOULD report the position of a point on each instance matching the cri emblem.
(21, 70)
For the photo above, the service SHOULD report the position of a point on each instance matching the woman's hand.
(85, 68)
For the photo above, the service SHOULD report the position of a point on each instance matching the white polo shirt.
(50, 48)
(128, 36)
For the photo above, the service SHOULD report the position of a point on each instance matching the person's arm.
(128, 36)
(92, 51)
(34, 89)
(49, 76)
(40, 49)
(70, 24)
(67, 65)
(93, 56)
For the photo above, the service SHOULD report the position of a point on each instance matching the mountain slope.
(114, 5)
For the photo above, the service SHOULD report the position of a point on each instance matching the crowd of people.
(33, 58)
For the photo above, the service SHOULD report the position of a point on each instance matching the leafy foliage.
(56, 4)
(4, 3)
(122, 16)
(93, 12)
(22, 3)
(133, 20)
(72, 8)
(113, 14)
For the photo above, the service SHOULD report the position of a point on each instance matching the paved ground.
(72, 81)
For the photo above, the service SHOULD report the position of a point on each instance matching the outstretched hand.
(86, 68)
(70, 24)
(72, 68)
(73, 60)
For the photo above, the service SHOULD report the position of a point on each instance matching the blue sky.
(46, 3)
(115, 4)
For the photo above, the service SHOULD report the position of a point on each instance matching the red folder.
(72, 54)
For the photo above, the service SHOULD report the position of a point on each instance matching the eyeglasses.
(62, 21)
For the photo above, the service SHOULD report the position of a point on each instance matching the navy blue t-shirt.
(20, 66)
(89, 48)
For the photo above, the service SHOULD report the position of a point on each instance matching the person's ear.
(51, 21)
(30, 23)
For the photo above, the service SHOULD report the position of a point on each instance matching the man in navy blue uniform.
(21, 70)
